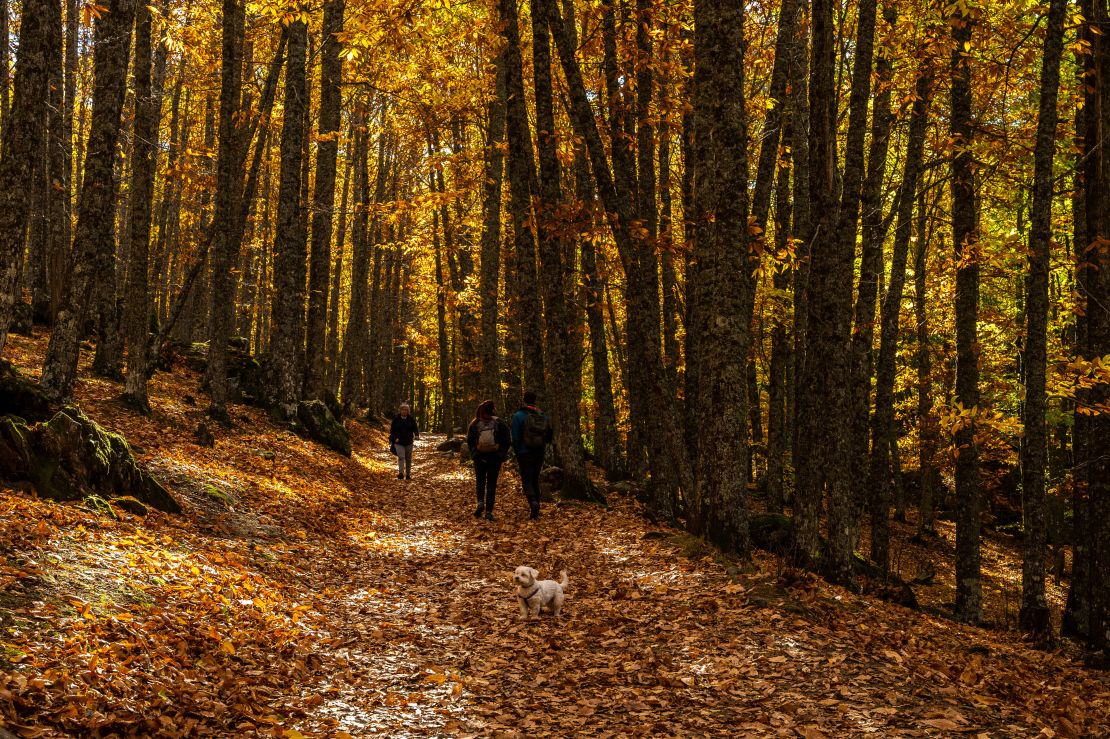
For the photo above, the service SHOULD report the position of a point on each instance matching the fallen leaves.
(319, 596)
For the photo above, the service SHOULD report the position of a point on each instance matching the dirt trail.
(305, 594)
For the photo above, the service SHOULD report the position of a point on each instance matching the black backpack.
(535, 431)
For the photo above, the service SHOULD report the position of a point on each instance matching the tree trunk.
(93, 243)
(965, 238)
(882, 427)
(148, 108)
(564, 342)
(225, 248)
(354, 340)
(22, 142)
(333, 292)
(524, 295)
(491, 235)
(648, 382)
(323, 200)
(824, 349)
(722, 278)
(1034, 616)
(288, 311)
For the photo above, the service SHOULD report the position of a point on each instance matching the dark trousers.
(530, 466)
(486, 470)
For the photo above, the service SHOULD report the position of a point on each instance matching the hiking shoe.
(408, 477)
(534, 513)
(478, 511)
(489, 517)
(400, 477)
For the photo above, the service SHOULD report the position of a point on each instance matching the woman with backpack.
(402, 433)
(488, 442)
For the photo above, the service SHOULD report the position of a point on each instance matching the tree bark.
(882, 426)
(225, 249)
(722, 278)
(521, 169)
(22, 142)
(93, 242)
(965, 238)
(323, 200)
(490, 255)
(564, 342)
(1034, 616)
(288, 307)
(148, 108)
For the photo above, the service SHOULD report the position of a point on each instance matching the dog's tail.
(563, 579)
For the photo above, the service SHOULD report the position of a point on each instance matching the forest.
(815, 294)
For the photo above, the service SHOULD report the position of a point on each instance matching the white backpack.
(487, 436)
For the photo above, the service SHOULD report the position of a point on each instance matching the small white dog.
(535, 595)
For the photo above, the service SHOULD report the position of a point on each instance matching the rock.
(464, 453)
(97, 504)
(203, 436)
(20, 396)
(451, 445)
(131, 504)
(70, 457)
(320, 424)
(267, 455)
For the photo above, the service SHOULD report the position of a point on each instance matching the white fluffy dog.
(535, 595)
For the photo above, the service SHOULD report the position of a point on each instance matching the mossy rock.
(319, 424)
(131, 504)
(99, 505)
(70, 457)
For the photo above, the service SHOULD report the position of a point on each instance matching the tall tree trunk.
(336, 280)
(882, 426)
(564, 342)
(1034, 616)
(965, 238)
(722, 276)
(323, 200)
(648, 383)
(288, 312)
(821, 327)
(927, 429)
(93, 243)
(491, 235)
(225, 248)
(524, 293)
(22, 141)
(148, 108)
(444, 353)
(1093, 278)
(354, 339)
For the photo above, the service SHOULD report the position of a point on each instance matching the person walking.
(402, 433)
(488, 441)
(531, 433)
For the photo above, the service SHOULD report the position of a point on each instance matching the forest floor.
(305, 594)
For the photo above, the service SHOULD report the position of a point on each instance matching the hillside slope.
(302, 593)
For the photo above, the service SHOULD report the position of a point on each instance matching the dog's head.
(525, 577)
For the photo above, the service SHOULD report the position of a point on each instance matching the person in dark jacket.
(531, 432)
(488, 441)
(402, 433)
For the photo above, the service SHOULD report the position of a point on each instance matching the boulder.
(130, 504)
(451, 445)
(464, 453)
(333, 404)
(70, 457)
(319, 424)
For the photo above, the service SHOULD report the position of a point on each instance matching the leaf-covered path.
(306, 594)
